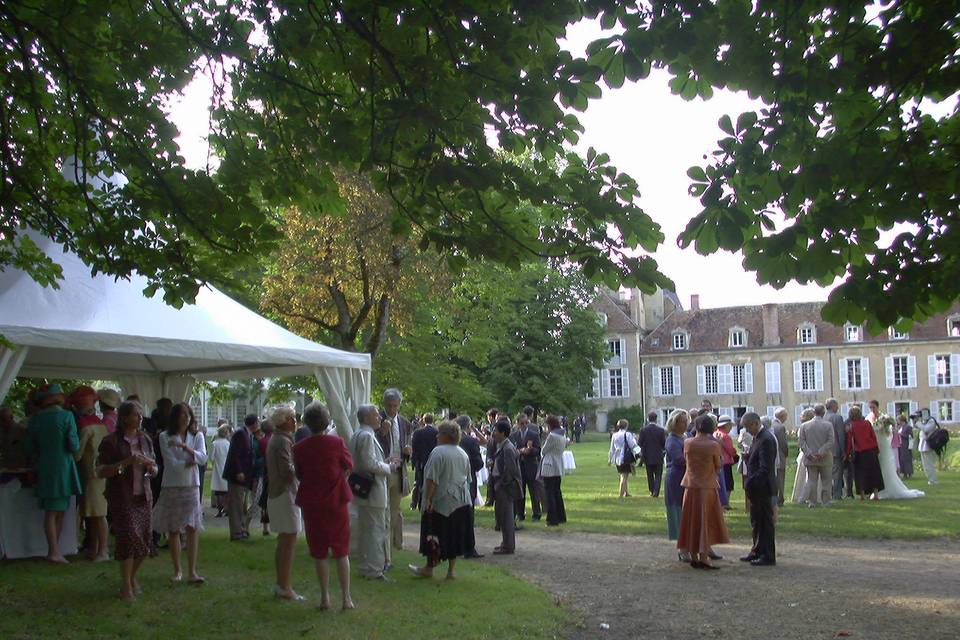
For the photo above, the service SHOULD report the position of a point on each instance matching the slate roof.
(709, 329)
(617, 312)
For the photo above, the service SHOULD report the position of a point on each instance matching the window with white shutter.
(625, 380)
(657, 389)
(901, 372)
(616, 351)
(739, 378)
(605, 382)
(943, 369)
(748, 377)
(943, 410)
(701, 380)
(616, 382)
(676, 379)
(771, 371)
(725, 376)
(808, 375)
(854, 374)
(711, 385)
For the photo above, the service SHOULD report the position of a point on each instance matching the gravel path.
(821, 588)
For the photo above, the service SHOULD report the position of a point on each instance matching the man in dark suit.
(526, 439)
(238, 472)
(506, 480)
(472, 448)
(424, 441)
(761, 489)
(653, 441)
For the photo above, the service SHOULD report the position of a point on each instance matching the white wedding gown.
(893, 487)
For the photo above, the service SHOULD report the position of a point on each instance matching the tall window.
(854, 373)
(808, 375)
(616, 383)
(667, 386)
(679, 340)
(738, 337)
(901, 372)
(852, 333)
(944, 372)
(616, 350)
(807, 334)
(739, 378)
(711, 380)
(666, 381)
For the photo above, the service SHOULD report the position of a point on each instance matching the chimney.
(771, 325)
(695, 302)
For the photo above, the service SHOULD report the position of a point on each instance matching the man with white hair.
(371, 544)
(779, 429)
(395, 436)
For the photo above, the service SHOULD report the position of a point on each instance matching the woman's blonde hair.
(677, 416)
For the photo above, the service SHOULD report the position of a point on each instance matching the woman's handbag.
(628, 455)
(361, 484)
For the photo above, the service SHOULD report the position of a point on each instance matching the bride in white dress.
(893, 487)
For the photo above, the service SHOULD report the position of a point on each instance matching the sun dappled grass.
(592, 505)
(79, 601)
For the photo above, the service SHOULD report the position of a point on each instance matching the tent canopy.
(99, 327)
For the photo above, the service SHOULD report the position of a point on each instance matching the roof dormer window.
(738, 337)
(807, 333)
(681, 340)
(852, 333)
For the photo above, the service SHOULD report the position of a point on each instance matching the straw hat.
(109, 398)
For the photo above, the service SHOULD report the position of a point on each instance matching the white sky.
(650, 134)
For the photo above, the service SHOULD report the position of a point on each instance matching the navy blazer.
(424, 441)
(762, 464)
(240, 458)
(653, 442)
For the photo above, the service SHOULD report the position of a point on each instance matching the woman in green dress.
(51, 441)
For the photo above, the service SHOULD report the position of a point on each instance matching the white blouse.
(180, 469)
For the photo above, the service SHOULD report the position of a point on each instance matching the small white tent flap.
(99, 327)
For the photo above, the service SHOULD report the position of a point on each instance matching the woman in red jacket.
(862, 446)
(322, 464)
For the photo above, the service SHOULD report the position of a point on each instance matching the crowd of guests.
(862, 453)
(140, 477)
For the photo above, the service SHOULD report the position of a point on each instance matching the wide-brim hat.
(83, 394)
(724, 420)
(48, 393)
(109, 397)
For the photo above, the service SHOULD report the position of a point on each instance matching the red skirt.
(327, 530)
(701, 521)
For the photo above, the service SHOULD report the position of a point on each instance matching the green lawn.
(590, 494)
(79, 601)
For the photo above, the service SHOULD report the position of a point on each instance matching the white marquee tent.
(98, 327)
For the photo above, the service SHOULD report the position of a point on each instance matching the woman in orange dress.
(701, 521)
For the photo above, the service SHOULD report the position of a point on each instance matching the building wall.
(919, 395)
(629, 365)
